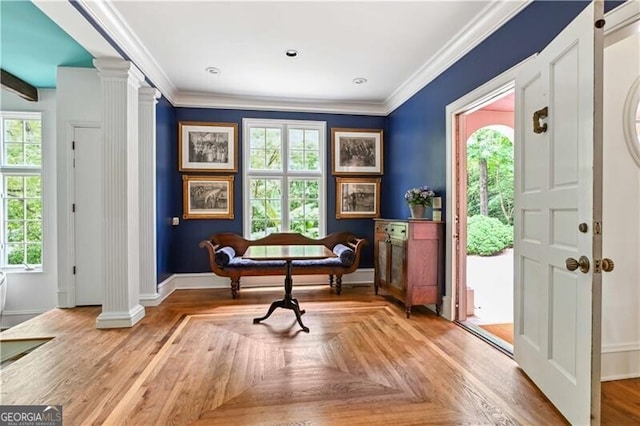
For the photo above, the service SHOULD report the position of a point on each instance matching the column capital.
(149, 94)
(118, 68)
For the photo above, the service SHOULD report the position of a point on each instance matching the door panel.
(87, 217)
(558, 186)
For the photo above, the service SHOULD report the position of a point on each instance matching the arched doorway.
(485, 212)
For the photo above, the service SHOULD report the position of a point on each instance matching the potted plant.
(418, 199)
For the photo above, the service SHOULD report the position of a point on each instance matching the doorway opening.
(485, 194)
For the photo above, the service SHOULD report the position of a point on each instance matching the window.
(284, 177)
(21, 173)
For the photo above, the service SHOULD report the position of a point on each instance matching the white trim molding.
(620, 361)
(114, 25)
(125, 319)
(210, 280)
(468, 102)
(493, 16)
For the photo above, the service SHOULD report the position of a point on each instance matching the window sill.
(21, 270)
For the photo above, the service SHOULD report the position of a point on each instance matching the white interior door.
(559, 187)
(87, 216)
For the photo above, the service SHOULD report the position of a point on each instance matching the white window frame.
(9, 170)
(284, 174)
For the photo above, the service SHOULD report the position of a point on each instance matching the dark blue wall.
(168, 193)
(186, 254)
(414, 140)
(416, 152)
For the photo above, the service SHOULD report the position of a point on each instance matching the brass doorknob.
(573, 264)
(607, 265)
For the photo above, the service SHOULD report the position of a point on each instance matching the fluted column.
(148, 98)
(121, 240)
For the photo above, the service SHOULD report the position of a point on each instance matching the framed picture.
(208, 147)
(356, 152)
(357, 197)
(207, 197)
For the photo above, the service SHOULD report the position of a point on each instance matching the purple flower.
(419, 196)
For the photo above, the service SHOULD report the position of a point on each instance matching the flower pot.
(417, 211)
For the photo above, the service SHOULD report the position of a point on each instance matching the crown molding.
(623, 15)
(492, 17)
(109, 20)
(205, 100)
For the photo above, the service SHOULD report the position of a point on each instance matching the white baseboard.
(211, 280)
(164, 289)
(446, 313)
(120, 319)
(620, 361)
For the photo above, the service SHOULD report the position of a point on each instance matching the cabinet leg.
(375, 287)
(408, 310)
(438, 309)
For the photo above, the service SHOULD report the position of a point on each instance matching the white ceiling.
(397, 46)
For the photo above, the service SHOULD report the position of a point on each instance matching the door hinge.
(73, 207)
(73, 144)
(597, 228)
(74, 270)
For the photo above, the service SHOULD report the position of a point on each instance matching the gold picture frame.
(357, 198)
(207, 197)
(207, 147)
(357, 151)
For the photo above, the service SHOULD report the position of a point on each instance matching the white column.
(148, 98)
(121, 247)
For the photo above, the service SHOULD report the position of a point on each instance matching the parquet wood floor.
(199, 359)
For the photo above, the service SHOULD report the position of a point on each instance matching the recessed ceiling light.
(213, 70)
(359, 80)
(292, 53)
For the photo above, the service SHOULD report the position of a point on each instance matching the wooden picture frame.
(356, 151)
(207, 147)
(207, 197)
(357, 198)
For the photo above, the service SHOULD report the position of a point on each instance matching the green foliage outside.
(302, 194)
(490, 192)
(23, 193)
(496, 150)
(487, 236)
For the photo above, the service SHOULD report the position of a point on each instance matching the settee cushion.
(224, 255)
(240, 262)
(331, 261)
(345, 254)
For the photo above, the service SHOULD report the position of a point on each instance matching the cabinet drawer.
(397, 230)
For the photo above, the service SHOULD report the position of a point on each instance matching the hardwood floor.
(503, 331)
(199, 359)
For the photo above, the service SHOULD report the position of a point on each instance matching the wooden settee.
(226, 250)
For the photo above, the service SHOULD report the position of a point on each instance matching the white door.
(87, 216)
(559, 187)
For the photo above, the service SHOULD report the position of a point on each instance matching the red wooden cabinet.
(408, 260)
